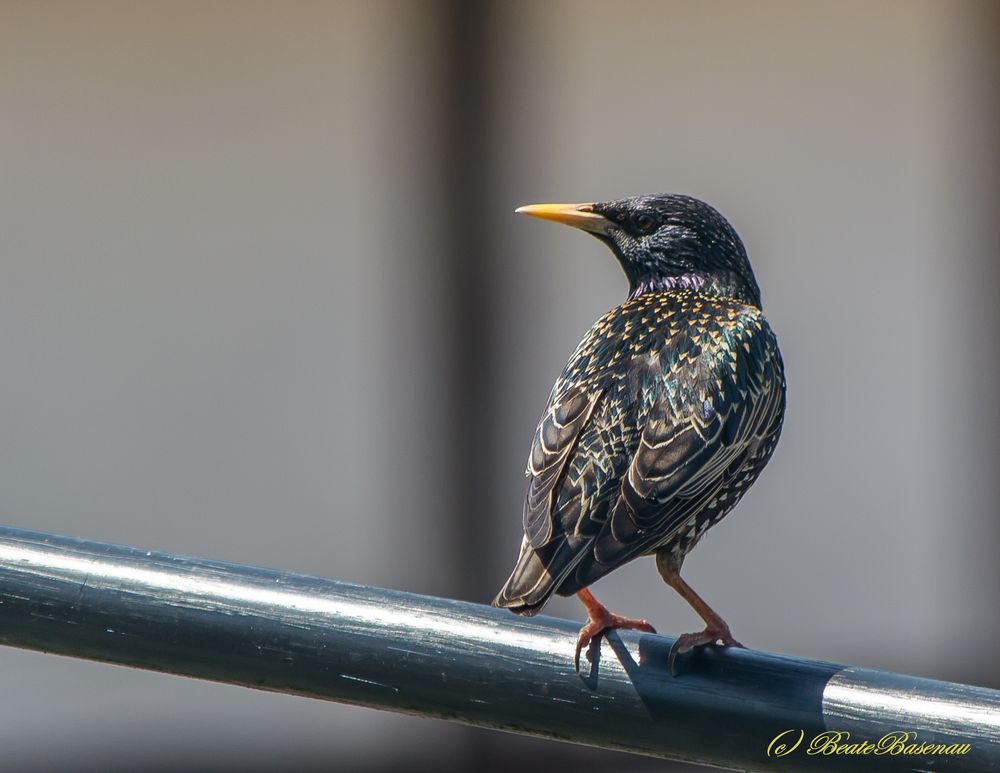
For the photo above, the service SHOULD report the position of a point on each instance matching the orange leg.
(601, 620)
(716, 629)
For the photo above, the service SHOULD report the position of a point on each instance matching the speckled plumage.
(664, 415)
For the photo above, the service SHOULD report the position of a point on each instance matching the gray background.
(263, 299)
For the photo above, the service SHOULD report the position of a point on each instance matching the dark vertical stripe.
(469, 263)
(982, 159)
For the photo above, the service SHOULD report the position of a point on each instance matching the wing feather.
(556, 436)
(686, 455)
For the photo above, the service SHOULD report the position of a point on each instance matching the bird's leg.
(716, 629)
(601, 619)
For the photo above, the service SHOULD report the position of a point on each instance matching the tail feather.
(536, 576)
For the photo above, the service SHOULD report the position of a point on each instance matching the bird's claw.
(595, 627)
(688, 641)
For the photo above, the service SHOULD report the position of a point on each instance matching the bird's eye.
(644, 223)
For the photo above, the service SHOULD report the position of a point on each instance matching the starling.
(663, 417)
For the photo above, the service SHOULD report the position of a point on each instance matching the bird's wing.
(695, 440)
(558, 432)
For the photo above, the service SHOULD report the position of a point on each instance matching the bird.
(665, 414)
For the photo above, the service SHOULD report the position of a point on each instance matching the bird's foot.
(713, 634)
(606, 621)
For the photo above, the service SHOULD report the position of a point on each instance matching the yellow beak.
(576, 215)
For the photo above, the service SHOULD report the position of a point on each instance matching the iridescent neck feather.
(727, 284)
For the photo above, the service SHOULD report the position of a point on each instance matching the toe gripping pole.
(470, 663)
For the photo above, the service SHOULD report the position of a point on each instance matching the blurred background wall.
(263, 299)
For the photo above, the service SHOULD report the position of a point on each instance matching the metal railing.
(270, 630)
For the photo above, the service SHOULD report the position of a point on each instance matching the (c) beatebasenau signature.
(838, 742)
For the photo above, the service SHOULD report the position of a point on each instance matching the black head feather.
(668, 240)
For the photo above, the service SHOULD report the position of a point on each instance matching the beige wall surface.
(263, 299)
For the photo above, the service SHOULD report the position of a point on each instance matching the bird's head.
(664, 242)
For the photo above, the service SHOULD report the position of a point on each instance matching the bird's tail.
(536, 577)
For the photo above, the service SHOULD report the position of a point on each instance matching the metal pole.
(473, 664)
